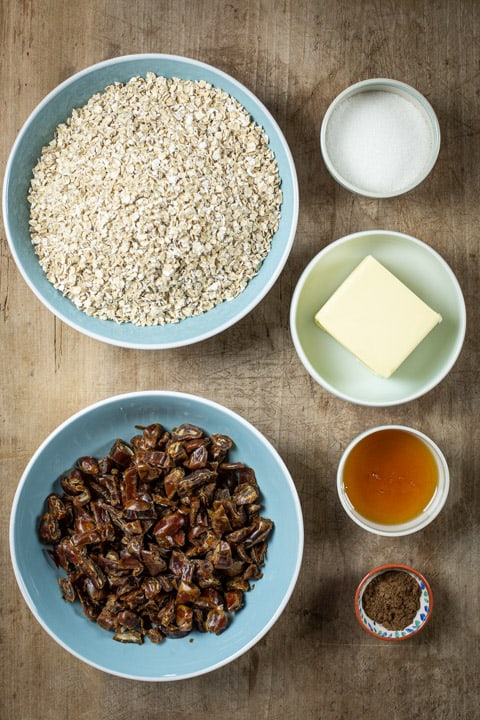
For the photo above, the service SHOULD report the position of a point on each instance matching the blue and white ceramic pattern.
(420, 619)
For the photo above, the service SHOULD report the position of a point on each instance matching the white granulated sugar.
(155, 201)
(379, 141)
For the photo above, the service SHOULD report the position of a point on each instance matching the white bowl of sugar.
(380, 138)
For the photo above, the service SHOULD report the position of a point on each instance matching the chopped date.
(160, 537)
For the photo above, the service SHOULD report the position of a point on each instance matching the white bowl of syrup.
(392, 480)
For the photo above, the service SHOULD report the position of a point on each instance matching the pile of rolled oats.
(155, 201)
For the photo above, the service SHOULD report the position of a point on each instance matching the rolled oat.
(155, 201)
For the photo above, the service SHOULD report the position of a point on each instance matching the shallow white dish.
(92, 432)
(37, 132)
(425, 272)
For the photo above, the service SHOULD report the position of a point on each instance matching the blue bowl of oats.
(150, 201)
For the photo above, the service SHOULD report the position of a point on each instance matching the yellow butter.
(378, 318)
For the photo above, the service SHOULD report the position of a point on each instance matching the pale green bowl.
(425, 272)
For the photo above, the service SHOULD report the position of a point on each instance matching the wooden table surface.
(316, 662)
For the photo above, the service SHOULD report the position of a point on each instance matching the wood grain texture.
(296, 56)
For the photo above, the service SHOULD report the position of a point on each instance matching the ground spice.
(392, 599)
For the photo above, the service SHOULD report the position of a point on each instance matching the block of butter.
(378, 318)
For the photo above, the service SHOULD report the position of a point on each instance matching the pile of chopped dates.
(161, 536)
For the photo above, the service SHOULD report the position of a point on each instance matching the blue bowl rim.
(123, 398)
(267, 286)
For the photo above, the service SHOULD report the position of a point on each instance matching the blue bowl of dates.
(150, 201)
(156, 535)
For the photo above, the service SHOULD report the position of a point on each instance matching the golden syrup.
(390, 476)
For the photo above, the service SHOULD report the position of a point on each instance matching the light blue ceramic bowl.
(92, 432)
(39, 130)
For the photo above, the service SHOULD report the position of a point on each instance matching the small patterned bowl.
(419, 621)
(343, 126)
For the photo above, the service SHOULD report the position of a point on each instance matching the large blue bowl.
(91, 432)
(39, 130)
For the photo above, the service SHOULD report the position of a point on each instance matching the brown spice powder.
(392, 599)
